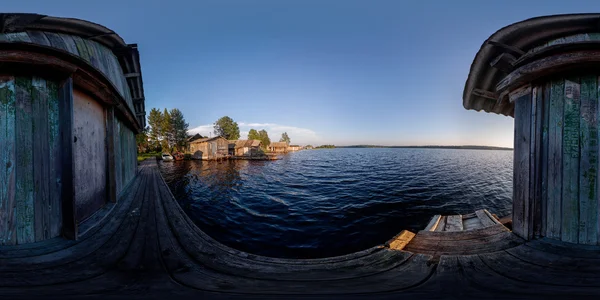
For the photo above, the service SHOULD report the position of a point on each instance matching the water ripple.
(336, 201)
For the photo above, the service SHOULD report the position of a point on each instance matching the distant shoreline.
(432, 147)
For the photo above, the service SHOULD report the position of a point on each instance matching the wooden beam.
(111, 177)
(130, 75)
(508, 48)
(433, 223)
(65, 111)
(484, 94)
(504, 62)
(401, 240)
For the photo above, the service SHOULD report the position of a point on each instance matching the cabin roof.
(516, 40)
(279, 144)
(127, 54)
(203, 140)
(244, 143)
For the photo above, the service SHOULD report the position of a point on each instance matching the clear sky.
(326, 71)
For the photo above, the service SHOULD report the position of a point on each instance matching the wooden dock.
(148, 248)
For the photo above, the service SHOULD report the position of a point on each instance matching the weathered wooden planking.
(588, 164)
(538, 117)
(442, 224)
(471, 223)
(555, 125)
(433, 223)
(54, 152)
(38, 37)
(544, 162)
(454, 223)
(41, 158)
(7, 161)
(485, 218)
(110, 159)
(89, 153)
(65, 116)
(521, 169)
(570, 180)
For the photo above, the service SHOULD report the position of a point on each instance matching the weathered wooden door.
(89, 155)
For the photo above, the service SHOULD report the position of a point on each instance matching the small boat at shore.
(178, 156)
(167, 157)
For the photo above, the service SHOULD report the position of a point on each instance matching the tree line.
(229, 129)
(167, 132)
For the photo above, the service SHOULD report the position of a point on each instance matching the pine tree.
(166, 131)
(179, 129)
(154, 134)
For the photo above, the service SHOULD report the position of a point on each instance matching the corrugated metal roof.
(516, 40)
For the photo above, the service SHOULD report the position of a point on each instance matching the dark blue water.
(327, 202)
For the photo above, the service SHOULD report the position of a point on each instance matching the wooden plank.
(38, 37)
(588, 164)
(54, 152)
(41, 158)
(544, 161)
(400, 241)
(65, 116)
(56, 41)
(471, 223)
(570, 182)
(533, 177)
(485, 218)
(24, 157)
(538, 164)
(7, 161)
(521, 167)
(442, 224)
(110, 152)
(433, 223)
(555, 124)
(454, 223)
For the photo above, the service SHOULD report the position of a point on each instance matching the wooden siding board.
(24, 157)
(570, 182)
(588, 190)
(81, 48)
(65, 113)
(538, 165)
(54, 152)
(521, 164)
(555, 124)
(70, 43)
(7, 161)
(544, 160)
(56, 41)
(38, 37)
(41, 158)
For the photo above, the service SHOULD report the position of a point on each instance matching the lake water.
(327, 202)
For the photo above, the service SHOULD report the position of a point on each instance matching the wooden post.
(65, 112)
(111, 178)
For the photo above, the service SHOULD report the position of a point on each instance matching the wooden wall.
(125, 155)
(30, 160)
(89, 155)
(556, 161)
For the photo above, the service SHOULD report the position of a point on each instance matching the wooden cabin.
(246, 148)
(544, 73)
(294, 148)
(194, 137)
(279, 147)
(71, 102)
(209, 148)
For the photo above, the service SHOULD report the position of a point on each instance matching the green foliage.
(154, 134)
(166, 131)
(227, 128)
(285, 138)
(253, 135)
(263, 136)
(178, 129)
(325, 146)
(142, 140)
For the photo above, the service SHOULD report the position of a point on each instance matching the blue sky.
(327, 72)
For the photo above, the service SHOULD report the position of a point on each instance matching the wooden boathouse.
(214, 148)
(71, 102)
(542, 71)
